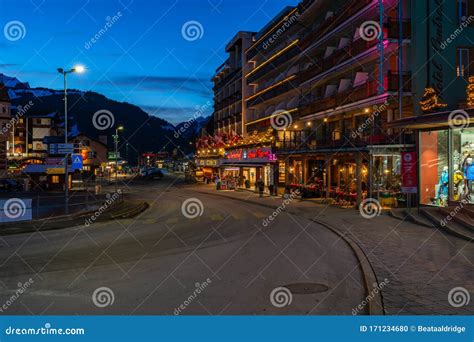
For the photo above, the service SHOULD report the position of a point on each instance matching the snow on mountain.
(13, 82)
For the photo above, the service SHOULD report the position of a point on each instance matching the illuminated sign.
(263, 154)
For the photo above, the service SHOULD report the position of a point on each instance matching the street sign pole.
(66, 175)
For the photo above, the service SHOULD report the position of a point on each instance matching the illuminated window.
(55, 179)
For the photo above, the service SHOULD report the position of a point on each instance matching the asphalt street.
(186, 240)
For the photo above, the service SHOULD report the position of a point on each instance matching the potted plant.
(218, 185)
(247, 184)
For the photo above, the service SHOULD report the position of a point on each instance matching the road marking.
(172, 220)
(217, 217)
(259, 215)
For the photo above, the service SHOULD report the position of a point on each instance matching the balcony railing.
(279, 90)
(369, 89)
(274, 64)
(312, 142)
(338, 18)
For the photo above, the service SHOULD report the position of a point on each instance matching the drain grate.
(306, 288)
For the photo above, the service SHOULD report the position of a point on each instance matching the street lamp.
(77, 69)
(116, 140)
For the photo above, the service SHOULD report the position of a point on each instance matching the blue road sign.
(77, 162)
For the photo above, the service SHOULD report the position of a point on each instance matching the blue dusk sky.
(139, 54)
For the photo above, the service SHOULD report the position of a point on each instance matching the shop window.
(55, 179)
(434, 166)
(462, 68)
(462, 159)
(281, 172)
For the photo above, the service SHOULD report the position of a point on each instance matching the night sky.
(141, 57)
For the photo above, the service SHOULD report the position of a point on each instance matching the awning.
(245, 164)
(433, 120)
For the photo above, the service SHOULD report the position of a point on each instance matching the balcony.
(367, 90)
(338, 57)
(274, 64)
(338, 18)
(278, 90)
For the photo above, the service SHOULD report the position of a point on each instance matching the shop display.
(447, 175)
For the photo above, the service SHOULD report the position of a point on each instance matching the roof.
(41, 168)
(50, 139)
(88, 137)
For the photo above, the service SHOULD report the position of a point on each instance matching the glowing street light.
(62, 71)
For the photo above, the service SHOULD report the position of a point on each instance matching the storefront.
(207, 169)
(445, 156)
(446, 166)
(246, 166)
(386, 174)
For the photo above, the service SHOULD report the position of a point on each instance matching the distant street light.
(77, 69)
(116, 140)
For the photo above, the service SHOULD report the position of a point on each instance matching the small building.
(5, 118)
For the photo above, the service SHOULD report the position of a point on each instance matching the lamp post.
(116, 140)
(78, 69)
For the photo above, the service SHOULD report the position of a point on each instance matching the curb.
(69, 221)
(376, 304)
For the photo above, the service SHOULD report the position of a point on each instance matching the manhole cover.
(306, 288)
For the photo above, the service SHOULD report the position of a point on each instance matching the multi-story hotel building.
(354, 79)
(230, 88)
(353, 82)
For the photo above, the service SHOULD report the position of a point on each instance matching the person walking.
(261, 187)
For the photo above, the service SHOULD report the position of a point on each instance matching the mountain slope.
(143, 133)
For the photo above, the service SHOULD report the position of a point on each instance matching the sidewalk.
(422, 264)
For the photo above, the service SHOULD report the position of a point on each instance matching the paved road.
(155, 263)
(423, 265)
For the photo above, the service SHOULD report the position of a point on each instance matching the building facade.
(335, 93)
(443, 93)
(5, 118)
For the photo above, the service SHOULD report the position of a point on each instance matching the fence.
(30, 206)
